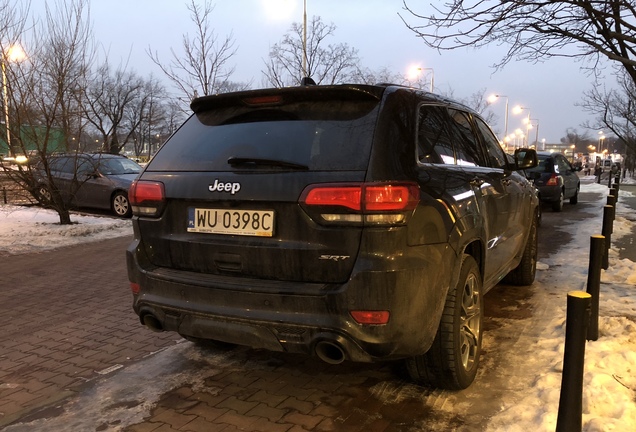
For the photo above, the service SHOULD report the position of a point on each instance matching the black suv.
(351, 222)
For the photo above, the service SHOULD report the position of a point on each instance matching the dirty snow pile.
(609, 387)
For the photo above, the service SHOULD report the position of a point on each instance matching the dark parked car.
(94, 180)
(351, 222)
(556, 179)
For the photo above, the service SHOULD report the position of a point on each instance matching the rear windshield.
(118, 166)
(325, 135)
(546, 164)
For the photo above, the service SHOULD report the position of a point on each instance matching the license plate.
(231, 222)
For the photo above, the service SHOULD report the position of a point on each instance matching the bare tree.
(382, 75)
(152, 117)
(203, 67)
(615, 109)
(572, 136)
(326, 64)
(44, 90)
(108, 99)
(534, 30)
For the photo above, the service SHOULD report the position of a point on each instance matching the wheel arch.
(476, 249)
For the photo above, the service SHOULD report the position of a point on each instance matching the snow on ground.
(609, 388)
(30, 229)
(609, 397)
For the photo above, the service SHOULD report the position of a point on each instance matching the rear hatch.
(237, 175)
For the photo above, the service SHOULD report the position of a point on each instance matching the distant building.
(32, 138)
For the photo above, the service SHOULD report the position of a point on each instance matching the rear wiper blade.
(256, 162)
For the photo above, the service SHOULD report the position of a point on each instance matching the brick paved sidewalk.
(65, 319)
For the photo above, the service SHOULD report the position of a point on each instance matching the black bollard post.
(597, 250)
(571, 400)
(614, 192)
(607, 233)
(611, 201)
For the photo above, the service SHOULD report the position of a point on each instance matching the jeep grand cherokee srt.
(351, 222)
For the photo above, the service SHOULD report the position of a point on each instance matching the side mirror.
(525, 158)
(92, 174)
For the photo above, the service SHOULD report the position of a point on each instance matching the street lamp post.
(304, 39)
(517, 110)
(601, 138)
(432, 77)
(492, 99)
(414, 72)
(536, 125)
(5, 98)
(14, 53)
(420, 69)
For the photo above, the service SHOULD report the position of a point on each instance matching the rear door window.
(467, 145)
(434, 136)
(562, 164)
(327, 135)
(494, 153)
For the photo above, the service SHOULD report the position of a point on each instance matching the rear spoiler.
(279, 96)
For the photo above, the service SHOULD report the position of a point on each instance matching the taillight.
(342, 196)
(390, 197)
(135, 288)
(370, 317)
(552, 181)
(147, 198)
(371, 203)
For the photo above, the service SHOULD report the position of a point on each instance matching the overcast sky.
(550, 90)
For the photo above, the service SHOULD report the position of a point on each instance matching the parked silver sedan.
(93, 180)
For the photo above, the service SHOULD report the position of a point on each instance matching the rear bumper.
(297, 317)
(550, 193)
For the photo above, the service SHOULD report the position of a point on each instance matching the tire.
(575, 198)
(526, 271)
(120, 205)
(557, 206)
(453, 359)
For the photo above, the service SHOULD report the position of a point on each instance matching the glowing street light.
(528, 121)
(601, 138)
(492, 99)
(13, 54)
(415, 71)
(518, 109)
